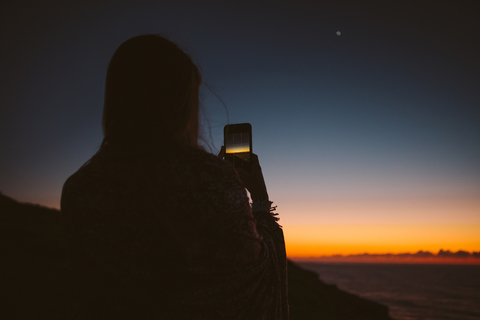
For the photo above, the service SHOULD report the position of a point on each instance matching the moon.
(338, 33)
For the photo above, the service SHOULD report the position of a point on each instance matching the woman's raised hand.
(253, 181)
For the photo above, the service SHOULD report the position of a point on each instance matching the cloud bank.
(443, 256)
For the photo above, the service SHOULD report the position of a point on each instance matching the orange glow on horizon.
(326, 240)
(400, 210)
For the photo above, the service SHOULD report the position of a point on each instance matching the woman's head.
(151, 94)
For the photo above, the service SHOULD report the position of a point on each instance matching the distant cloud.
(458, 254)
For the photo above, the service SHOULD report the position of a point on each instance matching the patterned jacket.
(172, 237)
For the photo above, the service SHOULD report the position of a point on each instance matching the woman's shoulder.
(83, 183)
(200, 175)
(205, 163)
(88, 172)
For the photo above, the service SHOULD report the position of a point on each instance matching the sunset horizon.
(378, 243)
(419, 257)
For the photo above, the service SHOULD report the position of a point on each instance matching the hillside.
(38, 281)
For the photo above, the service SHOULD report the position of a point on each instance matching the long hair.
(151, 95)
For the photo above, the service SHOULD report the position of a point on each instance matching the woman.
(157, 227)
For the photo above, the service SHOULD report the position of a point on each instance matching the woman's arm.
(272, 256)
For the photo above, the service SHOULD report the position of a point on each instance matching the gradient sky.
(369, 140)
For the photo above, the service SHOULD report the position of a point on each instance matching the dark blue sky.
(387, 110)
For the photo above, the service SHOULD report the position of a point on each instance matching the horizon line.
(422, 257)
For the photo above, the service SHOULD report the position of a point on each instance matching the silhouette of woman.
(156, 226)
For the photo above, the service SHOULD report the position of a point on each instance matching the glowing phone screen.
(237, 149)
(238, 142)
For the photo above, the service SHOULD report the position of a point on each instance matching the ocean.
(411, 291)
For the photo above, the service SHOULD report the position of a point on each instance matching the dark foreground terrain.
(36, 282)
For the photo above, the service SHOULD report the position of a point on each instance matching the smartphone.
(238, 145)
